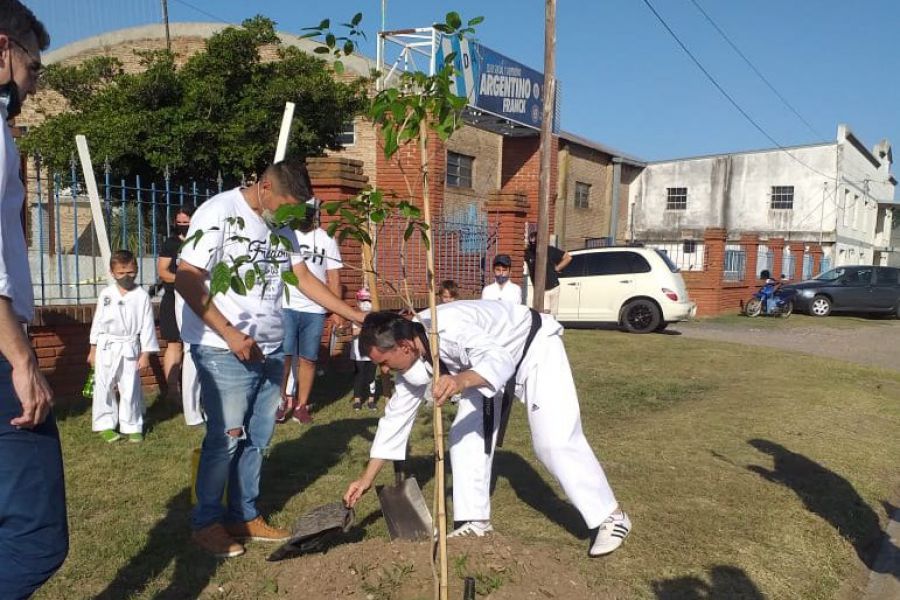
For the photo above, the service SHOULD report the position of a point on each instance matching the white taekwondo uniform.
(488, 337)
(123, 328)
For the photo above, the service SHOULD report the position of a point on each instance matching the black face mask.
(126, 282)
(182, 229)
(9, 95)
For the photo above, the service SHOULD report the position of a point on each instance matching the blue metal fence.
(787, 263)
(63, 251)
(807, 266)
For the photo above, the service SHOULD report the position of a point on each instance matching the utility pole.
(165, 15)
(543, 224)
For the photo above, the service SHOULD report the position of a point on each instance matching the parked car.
(638, 288)
(852, 288)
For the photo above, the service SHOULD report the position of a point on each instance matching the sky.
(625, 81)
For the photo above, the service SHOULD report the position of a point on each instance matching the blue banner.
(495, 83)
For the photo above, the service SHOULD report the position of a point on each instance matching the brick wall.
(584, 165)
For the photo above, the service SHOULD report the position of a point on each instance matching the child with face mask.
(123, 334)
(363, 367)
(502, 289)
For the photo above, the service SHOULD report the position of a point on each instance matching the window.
(676, 198)
(689, 246)
(616, 263)
(782, 197)
(576, 267)
(887, 277)
(582, 194)
(347, 135)
(858, 277)
(459, 170)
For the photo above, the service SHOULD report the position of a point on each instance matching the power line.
(755, 70)
(726, 94)
(203, 12)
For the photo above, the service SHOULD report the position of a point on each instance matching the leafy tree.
(216, 113)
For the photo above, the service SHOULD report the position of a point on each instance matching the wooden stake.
(437, 417)
(84, 154)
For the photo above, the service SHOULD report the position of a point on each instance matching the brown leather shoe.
(257, 530)
(215, 540)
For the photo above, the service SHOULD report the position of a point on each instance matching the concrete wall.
(835, 191)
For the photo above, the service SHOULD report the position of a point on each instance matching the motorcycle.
(772, 300)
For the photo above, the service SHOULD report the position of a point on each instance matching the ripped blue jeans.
(240, 400)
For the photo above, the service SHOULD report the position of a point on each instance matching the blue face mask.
(10, 99)
(501, 279)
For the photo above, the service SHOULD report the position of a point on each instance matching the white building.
(838, 195)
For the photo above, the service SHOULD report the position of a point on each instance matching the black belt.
(509, 391)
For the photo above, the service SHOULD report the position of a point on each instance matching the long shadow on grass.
(830, 496)
(168, 541)
(725, 583)
(531, 488)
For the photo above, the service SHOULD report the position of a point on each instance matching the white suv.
(638, 288)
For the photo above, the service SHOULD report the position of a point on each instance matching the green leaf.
(338, 67)
(237, 285)
(330, 40)
(220, 279)
(290, 278)
(250, 278)
(453, 20)
(348, 47)
(410, 229)
(357, 18)
(321, 50)
(443, 28)
(325, 24)
(425, 239)
(475, 21)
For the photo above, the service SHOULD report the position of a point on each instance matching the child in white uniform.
(123, 335)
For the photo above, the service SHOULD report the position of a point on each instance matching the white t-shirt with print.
(258, 313)
(321, 254)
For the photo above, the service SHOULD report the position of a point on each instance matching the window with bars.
(347, 135)
(782, 197)
(582, 194)
(459, 170)
(676, 198)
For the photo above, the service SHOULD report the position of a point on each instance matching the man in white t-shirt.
(236, 342)
(502, 289)
(304, 320)
(34, 536)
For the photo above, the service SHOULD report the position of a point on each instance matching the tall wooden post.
(543, 224)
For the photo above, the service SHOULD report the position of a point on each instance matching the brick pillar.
(338, 178)
(714, 243)
(750, 246)
(509, 212)
(776, 246)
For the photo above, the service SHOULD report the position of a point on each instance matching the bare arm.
(162, 269)
(562, 264)
(333, 281)
(448, 386)
(362, 485)
(29, 383)
(322, 295)
(189, 282)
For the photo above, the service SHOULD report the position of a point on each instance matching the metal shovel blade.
(405, 512)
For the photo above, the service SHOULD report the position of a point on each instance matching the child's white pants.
(115, 368)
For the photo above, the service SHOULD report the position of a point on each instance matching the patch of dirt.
(872, 344)
(377, 569)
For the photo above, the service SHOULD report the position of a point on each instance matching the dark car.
(853, 288)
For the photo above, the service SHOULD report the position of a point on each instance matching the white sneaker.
(472, 529)
(610, 534)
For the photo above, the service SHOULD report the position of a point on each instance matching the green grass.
(743, 469)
